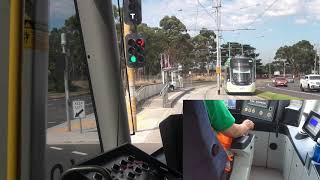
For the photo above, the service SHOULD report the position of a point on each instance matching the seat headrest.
(203, 156)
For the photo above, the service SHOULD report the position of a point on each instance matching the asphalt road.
(57, 113)
(64, 154)
(293, 89)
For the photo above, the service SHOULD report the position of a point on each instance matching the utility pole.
(66, 77)
(229, 49)
(218, 66)
(284, 68)
(241, 49)
(131, 81)
(269, 70)
(315, 60)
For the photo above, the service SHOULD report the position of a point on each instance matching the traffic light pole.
(131, 81)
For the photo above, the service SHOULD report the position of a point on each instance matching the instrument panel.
(128, 163)
(260, 109)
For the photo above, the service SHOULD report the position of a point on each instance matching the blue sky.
(277, 22)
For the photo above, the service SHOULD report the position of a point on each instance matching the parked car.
(310, 82)
(280, 81)
(290, 79)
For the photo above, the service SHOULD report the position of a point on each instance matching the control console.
(260, 109)
(127, 162)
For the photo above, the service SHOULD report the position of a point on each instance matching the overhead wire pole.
(218, 66)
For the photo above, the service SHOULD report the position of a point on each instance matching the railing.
(146, 92)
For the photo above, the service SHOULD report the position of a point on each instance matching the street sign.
(78, 109)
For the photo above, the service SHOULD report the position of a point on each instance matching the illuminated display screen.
(263, 104)
(231, 104)
(313, 126)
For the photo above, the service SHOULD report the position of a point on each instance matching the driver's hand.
(248, 123)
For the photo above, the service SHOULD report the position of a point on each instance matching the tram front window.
(242, 73)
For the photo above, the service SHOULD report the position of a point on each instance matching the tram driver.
(223, 123)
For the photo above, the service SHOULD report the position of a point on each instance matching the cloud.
(313, 8)
(301, 21)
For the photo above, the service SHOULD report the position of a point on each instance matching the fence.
(148, 91)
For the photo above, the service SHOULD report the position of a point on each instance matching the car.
(290, 79)
(310, 82)
(280, 81)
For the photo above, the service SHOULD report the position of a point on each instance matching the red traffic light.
(140, 42)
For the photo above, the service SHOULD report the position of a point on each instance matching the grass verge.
(275, 96)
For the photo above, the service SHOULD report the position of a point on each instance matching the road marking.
(56, 148)
(52, 122)
(293, 91)
(79, 153)
(88, 104)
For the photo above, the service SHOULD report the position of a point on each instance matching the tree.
(299, 57)
(204, 45)
(76, 53)
(178, 41)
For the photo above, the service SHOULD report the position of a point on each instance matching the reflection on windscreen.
(68, 143)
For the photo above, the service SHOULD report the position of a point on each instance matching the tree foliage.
(300, 56)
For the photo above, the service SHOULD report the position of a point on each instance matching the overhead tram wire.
(205, 9)
(262, 14)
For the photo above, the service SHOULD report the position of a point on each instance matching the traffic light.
(132, 12)
(135, 45)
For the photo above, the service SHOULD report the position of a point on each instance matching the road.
(64, 155)
(56, 109)
(293, 89)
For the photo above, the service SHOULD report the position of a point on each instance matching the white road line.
(52, 122)
(56, 148)
(294, 91)
(79, 153)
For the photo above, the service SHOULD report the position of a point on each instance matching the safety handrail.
(164, 89)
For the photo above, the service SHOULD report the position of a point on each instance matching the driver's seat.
(203, 156)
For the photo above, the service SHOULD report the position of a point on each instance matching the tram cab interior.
(280, 147)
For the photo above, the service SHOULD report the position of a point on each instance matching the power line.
(210, 15)
(262, 14)
(240, 29)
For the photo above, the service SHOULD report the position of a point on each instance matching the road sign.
(78, 109)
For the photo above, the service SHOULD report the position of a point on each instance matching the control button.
(249, 109)
(268, 115)
(131, 175)
(97, 176)
(124, 162)
(245, 109)
(145, 166)
(260, 113)
(138, 170)
(270, 108)
(116, 167)
(131, 158)
(253, 110)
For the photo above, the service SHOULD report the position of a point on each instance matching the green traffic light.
(133, 59)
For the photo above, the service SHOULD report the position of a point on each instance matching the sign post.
(79, 111)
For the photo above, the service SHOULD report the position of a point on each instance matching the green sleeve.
(219, 115)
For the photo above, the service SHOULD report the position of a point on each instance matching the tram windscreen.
(242, 71)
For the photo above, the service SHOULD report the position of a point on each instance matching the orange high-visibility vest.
(226, 142)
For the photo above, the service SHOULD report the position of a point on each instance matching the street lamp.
(66, 74)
